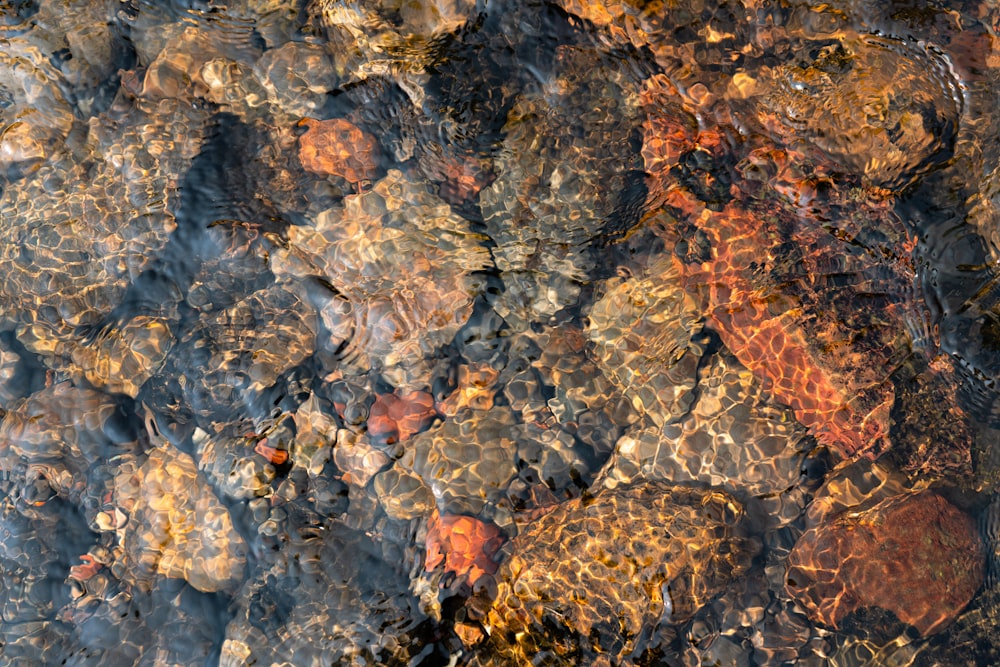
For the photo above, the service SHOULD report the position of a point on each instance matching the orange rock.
(275, 456)
(917, 556)
(832, 395)
(833, 374)
(396, 418)
(462, 180)
(668, 130)
(337, 148)
(464, 544)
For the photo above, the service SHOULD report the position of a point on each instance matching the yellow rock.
(177, 527)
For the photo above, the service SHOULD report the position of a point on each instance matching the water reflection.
(463, 332)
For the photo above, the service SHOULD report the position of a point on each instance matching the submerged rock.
(330, 599)
(733, 437)
(564, 178)
(463, 544)
(177, 527)
(35, 117)
(916, 555)
(401, 311)
(646, 334)
(880, 107)
(397, 417)
(599, 573)
(466, 463)
(337, 148)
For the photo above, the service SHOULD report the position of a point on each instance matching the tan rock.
(177, 527)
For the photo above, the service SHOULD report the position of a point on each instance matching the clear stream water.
(504, 332)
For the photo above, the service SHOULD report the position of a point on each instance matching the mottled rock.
(597, 574)
(297, 76)
(177, 527)
(465, 545)
(916, 555)
(13, 378)
(401, 311)
(403, 495)
(82, 231)
(337, 148)
(398, 417)
(883, 108)
(467, 461)
(783, 292)
(645, 330)
(475, 388)
(733, 437)
(68, 436)
(376, 27)
(355, 455)
(230, 463)
(233, 356)
(120, 360)
(35, 117)
(315, 433)
(562, 180)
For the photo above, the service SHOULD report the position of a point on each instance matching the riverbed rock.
(915, 555)
(177, 527)
(597, 574)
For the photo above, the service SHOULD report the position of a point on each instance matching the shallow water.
(494, 333)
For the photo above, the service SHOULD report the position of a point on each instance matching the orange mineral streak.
(337, 148)
(763, 328)
(395, 418)
(464, 544)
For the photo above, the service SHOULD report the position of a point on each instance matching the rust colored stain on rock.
(337, 148)
(788, 331)
(917, 556)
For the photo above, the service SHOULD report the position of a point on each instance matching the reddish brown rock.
(459, 176)
(917, 556)
(398, 417)
(464, 544)
(835, 390)
(337, 148)
(668, 131)
(827, 361)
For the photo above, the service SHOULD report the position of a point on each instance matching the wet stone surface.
(520, 332)
(858, 558)
(574, 574)
(877, 128)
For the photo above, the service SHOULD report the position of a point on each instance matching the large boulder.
(601, 573)
(916, 555)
